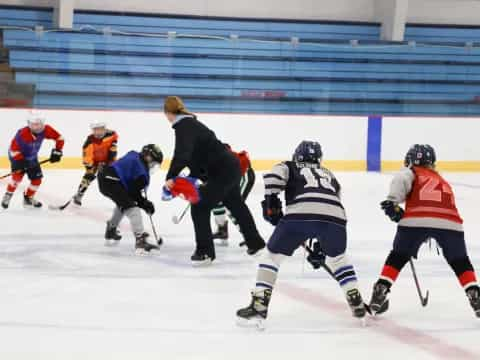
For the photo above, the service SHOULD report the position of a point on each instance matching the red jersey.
(244, 159)
(431, 197)
(26, 145)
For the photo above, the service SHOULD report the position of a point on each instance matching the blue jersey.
(130, 168)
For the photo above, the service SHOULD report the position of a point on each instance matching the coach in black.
(197, 148)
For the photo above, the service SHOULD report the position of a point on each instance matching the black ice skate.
(255, 314)
(255, 251)
(473, 294)
(6, 200)
(112, 235)
(355, 302)
(142, 246)
(222, 235)
(379, 302)
(199, 259)
(31, 203)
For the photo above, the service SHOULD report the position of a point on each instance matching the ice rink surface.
(66, 296)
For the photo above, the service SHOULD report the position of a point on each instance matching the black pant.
(223, 185)
(408, 241)
(111, 187)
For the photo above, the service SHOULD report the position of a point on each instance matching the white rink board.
(454, 139)
(264, 136)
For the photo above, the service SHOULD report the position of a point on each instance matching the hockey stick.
(324, 266)
(23, 170)
(60, 207)
(423, 299)
(158, 239)
(177, 219)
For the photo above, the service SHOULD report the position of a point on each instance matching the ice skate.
(29, 202)
(112, 235)
(200, 260)
(356, 304)
(379, 302)
(221, 235)
(255, 314)
(473, 294)
(142, 246)
(6, 200)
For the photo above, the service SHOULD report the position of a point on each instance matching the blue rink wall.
(350, 143)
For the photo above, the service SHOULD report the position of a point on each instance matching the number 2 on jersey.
(429, 191)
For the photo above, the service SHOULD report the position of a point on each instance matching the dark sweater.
(197, 148)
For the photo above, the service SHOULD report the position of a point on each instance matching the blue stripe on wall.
(374, 143)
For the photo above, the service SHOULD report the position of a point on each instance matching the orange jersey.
(431, 197)
(103, 150)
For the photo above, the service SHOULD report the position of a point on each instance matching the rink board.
(347, 141)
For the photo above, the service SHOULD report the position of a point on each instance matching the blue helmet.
(420, 155)
(309, 152)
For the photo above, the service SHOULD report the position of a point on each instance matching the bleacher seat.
(96, 70)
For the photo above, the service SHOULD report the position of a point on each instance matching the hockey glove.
(166, 194)
(55, 155)
(315, 257)
(187, 188)
(392, 210)
(147, 206)
(272, 209)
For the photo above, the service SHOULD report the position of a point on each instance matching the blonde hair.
(175, 105)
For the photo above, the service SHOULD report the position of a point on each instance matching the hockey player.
(99, 149)
(123, 182)
(246, 184)
(314, 210)
(430, 212)
(23, 155)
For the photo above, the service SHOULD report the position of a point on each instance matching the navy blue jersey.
(311, 191)
(130, 169)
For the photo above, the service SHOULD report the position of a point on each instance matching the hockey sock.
(220, 214)
(33, 187)
(15, 180)
(463, 268)
(117, 216)
(393, 265)
(136, 222)
(268, 271)
(343, 271)
(85, 183)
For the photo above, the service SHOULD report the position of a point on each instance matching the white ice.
(63, 295)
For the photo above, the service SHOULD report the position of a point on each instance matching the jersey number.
(314, 179)
(429, 191)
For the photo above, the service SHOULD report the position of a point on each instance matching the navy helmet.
(420, 155)
(154, 152)
(309, 152)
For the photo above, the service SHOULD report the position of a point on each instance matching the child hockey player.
(246, 184)
(123, 182)
(314, 210)
(99, 149)
(23, 155)
(430, 212)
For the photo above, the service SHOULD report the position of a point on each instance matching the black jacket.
(197, 148)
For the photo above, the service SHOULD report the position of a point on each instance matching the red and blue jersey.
(26, 145)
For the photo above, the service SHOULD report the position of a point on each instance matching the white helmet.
(36, 120)
(98, 125)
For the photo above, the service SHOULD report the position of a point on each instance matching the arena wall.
(349, 142)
